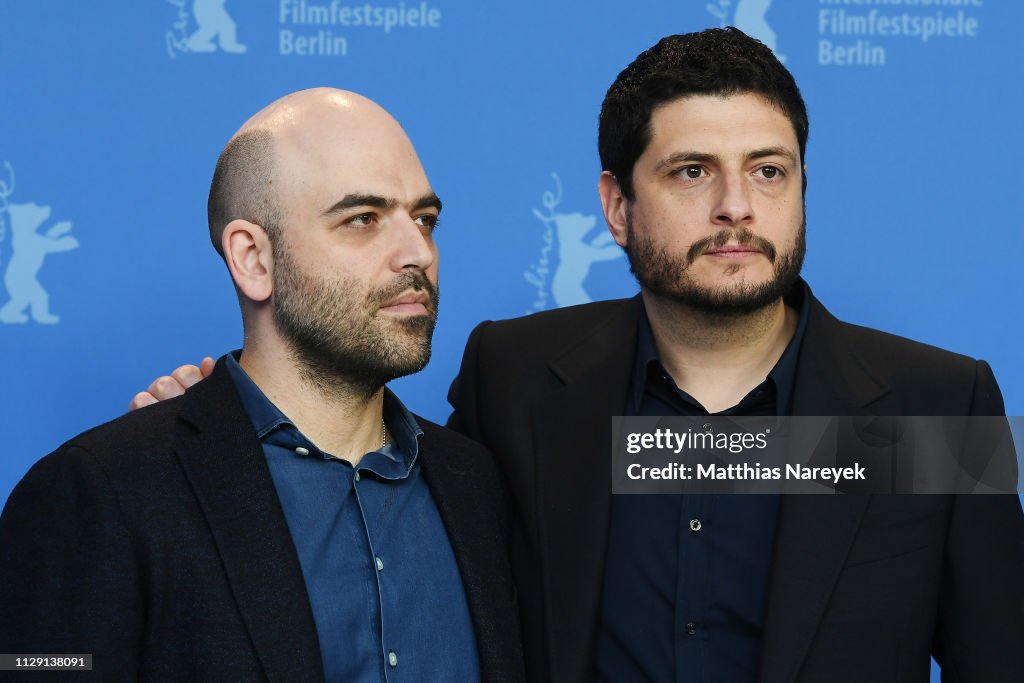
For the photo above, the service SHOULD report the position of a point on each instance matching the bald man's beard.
(344, 346)
(667, 274)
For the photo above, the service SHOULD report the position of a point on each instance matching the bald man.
(288, 519)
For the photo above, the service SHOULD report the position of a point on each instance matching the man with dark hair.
(702, 141)
(716, 63)
(288, 519)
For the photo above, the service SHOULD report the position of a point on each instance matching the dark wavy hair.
(718, 62)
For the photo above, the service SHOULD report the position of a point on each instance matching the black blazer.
(157, 544)
(863, 588)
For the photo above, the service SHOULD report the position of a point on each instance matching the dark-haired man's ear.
(614, 205)
(250, 259)
(804, 174)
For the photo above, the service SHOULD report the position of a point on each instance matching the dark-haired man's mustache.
(741, 236)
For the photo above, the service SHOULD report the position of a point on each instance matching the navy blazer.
(864, 588)
(157, 544)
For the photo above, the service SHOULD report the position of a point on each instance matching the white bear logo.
(30, 248)
(749, 17)
(212, 21)
(577, 252)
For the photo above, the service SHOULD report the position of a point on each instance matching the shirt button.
(380, 563)
(392, 659)
(707, 426)
(695, 525)
(691, 628)
(301, 451)
(357, 477)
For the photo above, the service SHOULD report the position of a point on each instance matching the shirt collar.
(267, 418)
(783, 375)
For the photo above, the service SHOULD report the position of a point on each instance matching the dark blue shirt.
(686, 577)
(382, 580)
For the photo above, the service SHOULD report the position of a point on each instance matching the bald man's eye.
(363, 220)
(428, 221)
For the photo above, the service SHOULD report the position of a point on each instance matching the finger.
(206, 367)
(166, 387)
(187, 375)
(141, 400)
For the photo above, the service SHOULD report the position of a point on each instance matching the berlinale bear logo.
(29, 248)
(212, 22)
(571, 236)
(749, 17)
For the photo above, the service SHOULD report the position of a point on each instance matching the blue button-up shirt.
(382, 580)
(686, 579)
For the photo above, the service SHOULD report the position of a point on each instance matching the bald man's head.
(282, 146)
(243, 185)
(346, 284)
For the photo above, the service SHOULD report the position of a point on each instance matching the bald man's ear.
(614, 205)
(250, 258)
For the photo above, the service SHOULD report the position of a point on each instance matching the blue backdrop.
(113, 114)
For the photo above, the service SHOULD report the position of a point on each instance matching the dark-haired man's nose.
(732, 205)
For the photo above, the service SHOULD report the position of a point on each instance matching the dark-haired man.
(702, 141)
(288, 519)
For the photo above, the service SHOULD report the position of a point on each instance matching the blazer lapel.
(224, 463)
(572, 427)
(479, 548)
(815, 532)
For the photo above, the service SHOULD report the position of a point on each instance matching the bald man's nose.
(413, 246)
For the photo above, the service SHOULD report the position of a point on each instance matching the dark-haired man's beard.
(667, 275)
(343, 344)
